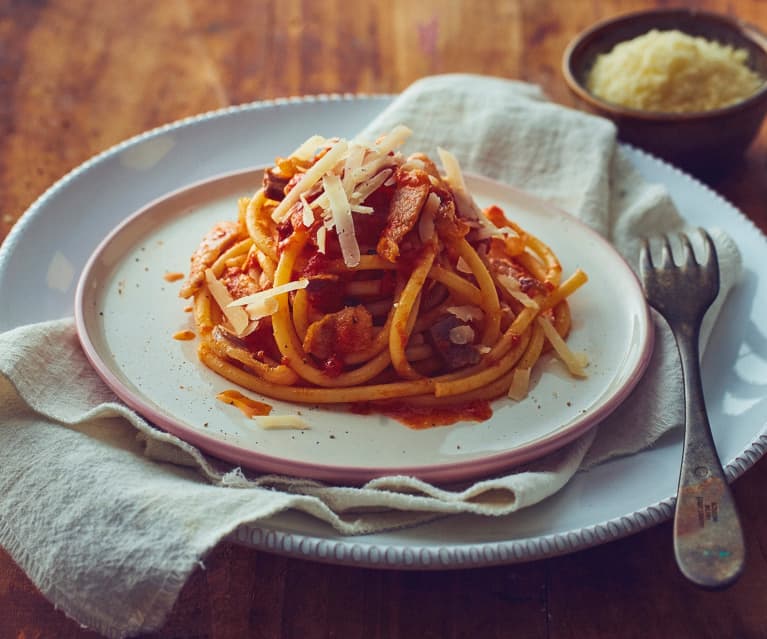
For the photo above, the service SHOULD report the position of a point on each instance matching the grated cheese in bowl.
(673, 72)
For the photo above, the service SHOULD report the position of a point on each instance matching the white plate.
(127, 312)
(615, 499)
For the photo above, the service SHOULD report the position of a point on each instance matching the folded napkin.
(109, 516)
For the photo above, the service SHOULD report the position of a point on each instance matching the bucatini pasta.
(356, 274)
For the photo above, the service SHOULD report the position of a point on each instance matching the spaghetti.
(356, 274)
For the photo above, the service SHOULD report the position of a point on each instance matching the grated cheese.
(673, 72)
(342, 219)
(313, 175)
(462, 335)
(394, 139)
(308, 213)
(264, 303)
(282, 422)
(512, 286)
(306, 151)
(322, 234)
(353, 162)
(364, 189)
(465, 205)
(462, 266)
(237, 317)
(466, 313)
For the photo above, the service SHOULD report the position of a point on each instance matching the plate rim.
(445, 472)
(272, 537)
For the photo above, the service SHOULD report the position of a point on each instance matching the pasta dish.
(356, 274)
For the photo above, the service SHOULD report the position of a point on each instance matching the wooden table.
(77, 76)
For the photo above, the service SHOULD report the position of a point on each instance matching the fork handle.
(708, 537)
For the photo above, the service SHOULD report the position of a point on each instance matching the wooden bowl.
(699, 141)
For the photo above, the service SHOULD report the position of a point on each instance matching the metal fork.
(708, 538)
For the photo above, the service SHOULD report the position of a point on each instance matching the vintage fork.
(708, 538)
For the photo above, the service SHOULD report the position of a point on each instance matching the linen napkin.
(109, 516)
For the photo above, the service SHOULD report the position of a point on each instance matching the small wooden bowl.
(700, 141)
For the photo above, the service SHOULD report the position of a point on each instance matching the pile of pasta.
(357, 274)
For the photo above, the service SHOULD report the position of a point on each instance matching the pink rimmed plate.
(127, 314)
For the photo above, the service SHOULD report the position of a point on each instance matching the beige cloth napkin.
(109, 516)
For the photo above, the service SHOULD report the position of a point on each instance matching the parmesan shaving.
(282, 422)
(257, 298)
(394, 139)
(562, 349)
(465, 204)
(342, 219)
(364, 189)
(453, 174)
(466, 313)
(520, 384)
(308, 214)
(322, 234)
(263, 308)
(462, 266)
(512, 286)
(237, 317)
(353, 162)
(306, 151)
(313, 175)
(462, 335)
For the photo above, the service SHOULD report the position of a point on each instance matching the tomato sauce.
(422, 417)
(249, 407)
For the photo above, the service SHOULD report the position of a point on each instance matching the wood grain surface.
(77, 76)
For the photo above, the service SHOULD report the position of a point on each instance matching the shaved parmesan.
(306, 151)
(282, 422)
(342, 220)
(308, 214)
(462, 266)
(466, 313)
(512, 286)
(322, 234)
(453, 174)
(264, 303)
(364, 189)
(465, 204)
(462, 335)
(353, 162)
(313, 175)
(394, 139)
(573, 363)
(237, 317)
(520, 384)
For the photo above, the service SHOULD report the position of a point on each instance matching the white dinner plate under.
(66, 224)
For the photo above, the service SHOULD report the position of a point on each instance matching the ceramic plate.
(67, 223)
(127, 312)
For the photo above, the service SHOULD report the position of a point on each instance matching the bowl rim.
(746, 30)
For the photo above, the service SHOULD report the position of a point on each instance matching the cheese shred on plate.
(673, 72)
